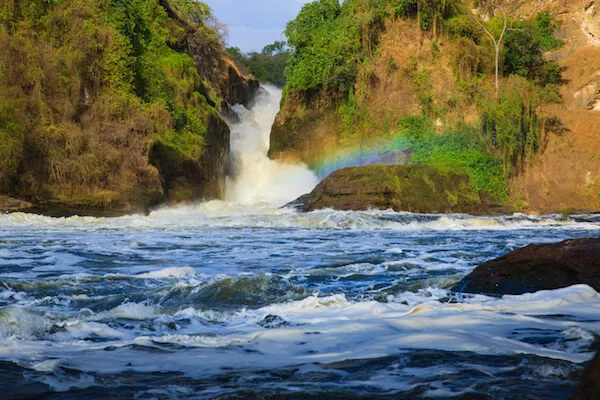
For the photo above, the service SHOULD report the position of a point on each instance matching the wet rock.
(172, 326)
(537, 267)
(8, 204)
(412, 188)
(273, 322)
(589, 387)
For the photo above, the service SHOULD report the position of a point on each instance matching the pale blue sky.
(254, 23)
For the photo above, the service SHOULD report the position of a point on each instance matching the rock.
(8, 204)
(537, 267)
(240, 89)
(412, 188)
(589, 387)
(587, 96)
(187, 179)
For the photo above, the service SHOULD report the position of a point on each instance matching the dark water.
(225, 301)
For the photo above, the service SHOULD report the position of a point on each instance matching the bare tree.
(497, 45)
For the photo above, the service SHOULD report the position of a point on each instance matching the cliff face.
(566, 176)
(410, 68)
(112, 107)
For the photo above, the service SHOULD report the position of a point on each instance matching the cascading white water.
(256, 178)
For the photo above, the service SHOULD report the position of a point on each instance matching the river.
(244, 299)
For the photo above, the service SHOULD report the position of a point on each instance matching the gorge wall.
(412, 72)
(113, 107)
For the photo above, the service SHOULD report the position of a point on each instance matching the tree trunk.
(497, 67)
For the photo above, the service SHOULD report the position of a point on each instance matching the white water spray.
(256, 178)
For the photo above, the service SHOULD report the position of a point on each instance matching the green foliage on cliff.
(512, 123)
(335, 48)
(268, 65)
(87, 86)
(523, 48)
(325, 38)
(456, 150)
(331, 41)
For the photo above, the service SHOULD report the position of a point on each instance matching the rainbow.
(379, 153)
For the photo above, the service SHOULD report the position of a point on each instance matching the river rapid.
(244, 299)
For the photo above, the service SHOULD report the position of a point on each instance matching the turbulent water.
(243, 299)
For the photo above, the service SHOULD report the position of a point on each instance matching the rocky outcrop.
(186, 178)
(589, 387)
(305, 130)
(239, 88)
(8, 204)
(412, 188)
(537, 267)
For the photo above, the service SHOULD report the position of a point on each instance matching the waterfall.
(255, 178)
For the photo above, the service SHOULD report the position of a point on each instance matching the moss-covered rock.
(412, 188)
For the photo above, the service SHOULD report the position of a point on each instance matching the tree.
(193, 11)
(497, 45)
(274, 48)
(301, 30)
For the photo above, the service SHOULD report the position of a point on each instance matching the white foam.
(265, 213)
(20, 323)
(45, 366)
(170, 272)
(133, 311)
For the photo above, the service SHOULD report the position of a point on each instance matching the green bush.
(461, 150)
(326, 41)
(523, 48)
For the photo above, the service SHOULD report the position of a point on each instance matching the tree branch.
(484, 28)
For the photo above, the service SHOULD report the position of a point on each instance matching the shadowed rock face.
(537, 267)
(187, 179)
(412, 188)
(589, 387)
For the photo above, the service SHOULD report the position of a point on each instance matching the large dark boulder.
(537, 267)
(589, 387)
(411, 188)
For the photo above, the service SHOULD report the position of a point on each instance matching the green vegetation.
(88, 86)
(326, 41)
(331, 41)
(460, 150)
(335, 48)
(430, 14)
(512, 123)
(266, 66)
(524, 45)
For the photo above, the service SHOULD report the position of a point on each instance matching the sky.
(252, 24)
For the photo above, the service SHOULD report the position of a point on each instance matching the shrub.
(460, 150)
(523, 48)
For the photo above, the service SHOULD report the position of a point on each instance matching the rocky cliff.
(566, 176)
(416, 72)
(112, 107)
